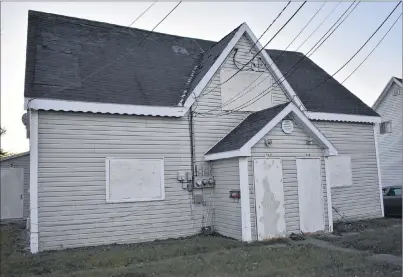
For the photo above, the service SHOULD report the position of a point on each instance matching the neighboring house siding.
(227, 217)
(21, 162)
(390, 144)
(288, 147)
(361, 200)
(71, 179)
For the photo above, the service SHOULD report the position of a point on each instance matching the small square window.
(386, 127)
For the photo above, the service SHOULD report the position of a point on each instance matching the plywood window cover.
(342, 177)
(133, 199)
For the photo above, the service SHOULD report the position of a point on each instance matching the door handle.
(21, 196)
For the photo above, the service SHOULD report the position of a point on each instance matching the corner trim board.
(245, 199)
(329, 197)
(379, 169)
(33, 182)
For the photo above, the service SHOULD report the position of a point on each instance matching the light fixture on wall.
(310, 141)
(268, 142)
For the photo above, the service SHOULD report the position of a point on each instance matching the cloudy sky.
(211, 21)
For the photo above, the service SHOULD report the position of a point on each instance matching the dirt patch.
(362, 225)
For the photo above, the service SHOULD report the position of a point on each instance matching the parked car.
(392, 200)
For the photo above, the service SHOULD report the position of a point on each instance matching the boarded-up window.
(134, 180)
(244, 91)
(339, 171)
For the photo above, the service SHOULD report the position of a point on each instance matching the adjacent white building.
(389, 106)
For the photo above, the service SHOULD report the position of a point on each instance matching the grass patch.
(380, 236)
(196, 256)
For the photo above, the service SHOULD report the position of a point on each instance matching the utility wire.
(240, 94)
(268, 28)
(356, 53)
(134, 21)
(295, 66)
(255, 55)
(376, 46)
(320, 24)
(119, 58)
(307, 93)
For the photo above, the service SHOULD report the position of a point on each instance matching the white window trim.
(131, 200)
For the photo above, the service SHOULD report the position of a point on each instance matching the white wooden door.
(12, 185)
(310, 195)
(269, 193)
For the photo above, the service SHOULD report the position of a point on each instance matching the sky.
(212, 21)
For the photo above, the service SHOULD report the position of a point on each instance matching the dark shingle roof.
(399, 79)
(330, 97)
(246, 130)
(61, 51)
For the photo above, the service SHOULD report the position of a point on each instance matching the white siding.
(288, 147)
(21, 162)
(227, 217)
(71, 182)
(209, 129)
(390, 144)
(361, 200)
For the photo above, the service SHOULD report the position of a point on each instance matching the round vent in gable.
(287, 126)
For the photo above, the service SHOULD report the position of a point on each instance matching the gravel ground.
(380, 236)
(195, 256)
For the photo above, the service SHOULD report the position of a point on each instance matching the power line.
(240, 94)
(134, 21)
(320, 24)
(347, 61)
(355, 54)
(268, 28)
(376, 46)
(295, 66)
(119, 58)
(254, 56)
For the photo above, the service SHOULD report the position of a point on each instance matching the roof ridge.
(103, 24)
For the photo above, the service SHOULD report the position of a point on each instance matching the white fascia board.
(220, 60)
(270, 63)
(343, 117)
(227, 155)
(93, 107)
(330, 149)
(270, 125)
